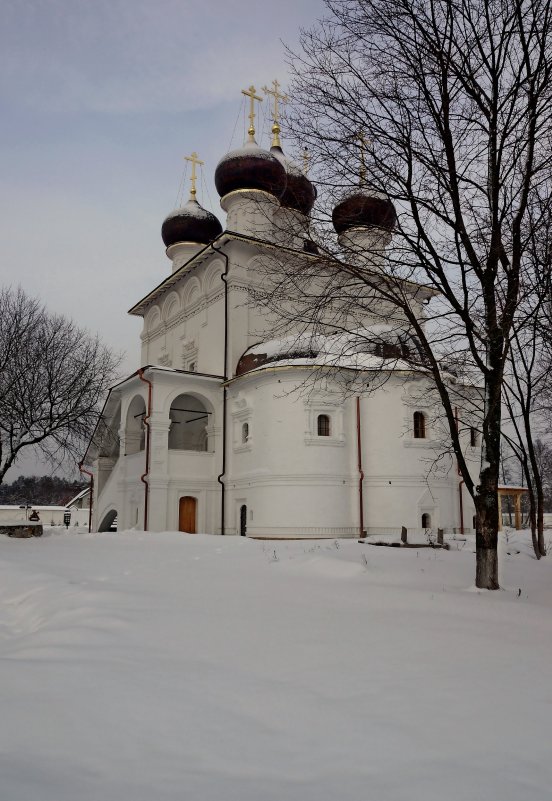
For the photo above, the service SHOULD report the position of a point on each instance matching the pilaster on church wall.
(249, 321)
(159, 437)
(158, 509)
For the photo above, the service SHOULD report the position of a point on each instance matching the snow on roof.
(354, 350)
(361, 362)
(32, 506)
(82, 494)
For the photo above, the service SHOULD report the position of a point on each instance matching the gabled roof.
(82, 494)
(139, 308)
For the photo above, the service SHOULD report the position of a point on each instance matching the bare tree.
(527, 369)
(53, 377)
(455, 100)
(527, 374)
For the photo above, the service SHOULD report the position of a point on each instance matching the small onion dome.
(363, 209)
(250, 167)
(299, 193)
(190, 223)
(310, 247)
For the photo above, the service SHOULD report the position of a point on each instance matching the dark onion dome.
(190, 223)
(364, 209)
(309, 246)
(299, 193)
(250, 167)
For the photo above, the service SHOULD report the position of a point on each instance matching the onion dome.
(250, 167)
(190, 223)
(299, 193)
(309, 246)
(364, 208)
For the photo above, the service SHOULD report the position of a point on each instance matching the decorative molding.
(334, 442)
(190, 352)
(292, 480)
(303, 532)
(164, 358)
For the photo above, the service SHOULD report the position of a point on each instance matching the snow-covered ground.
(148, 667)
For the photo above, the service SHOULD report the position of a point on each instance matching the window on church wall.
(189, 419)
(426, 520)
(419, 425)
(245, 433)
(473, 437)
(192, 367)
(323, 425)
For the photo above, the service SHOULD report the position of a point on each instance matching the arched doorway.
(187, 514)
(243, 520)
(109, 522)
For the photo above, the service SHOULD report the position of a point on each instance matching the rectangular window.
(419, 425)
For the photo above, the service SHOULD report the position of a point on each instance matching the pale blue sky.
(100, 102)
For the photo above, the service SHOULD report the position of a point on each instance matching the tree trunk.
(486, 498)
(540, 520)
(486, 539)
(533, 519)
(532, 503)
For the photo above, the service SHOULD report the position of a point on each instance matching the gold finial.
(194, 161)
(250, 93)
(276, 116)
(306, 160)
(363, 144)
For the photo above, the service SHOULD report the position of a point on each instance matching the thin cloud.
(136, 55)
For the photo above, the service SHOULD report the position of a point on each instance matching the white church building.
(223, 429)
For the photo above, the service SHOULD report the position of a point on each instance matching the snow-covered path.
(163, 666)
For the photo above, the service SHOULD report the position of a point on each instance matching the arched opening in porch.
(190, 420)
(135, 435)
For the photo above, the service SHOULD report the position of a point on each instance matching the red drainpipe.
(460, 497)
(88, 473)
(360, 471)
(144, 475)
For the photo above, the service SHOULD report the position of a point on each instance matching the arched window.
(245, 432)
(426, 520)
(419, 425)
(473, 437)
(323, 425)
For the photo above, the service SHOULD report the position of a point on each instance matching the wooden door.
(187, 513)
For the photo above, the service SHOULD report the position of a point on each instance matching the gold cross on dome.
(194, 160)
(278, 97)
(250, 93)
